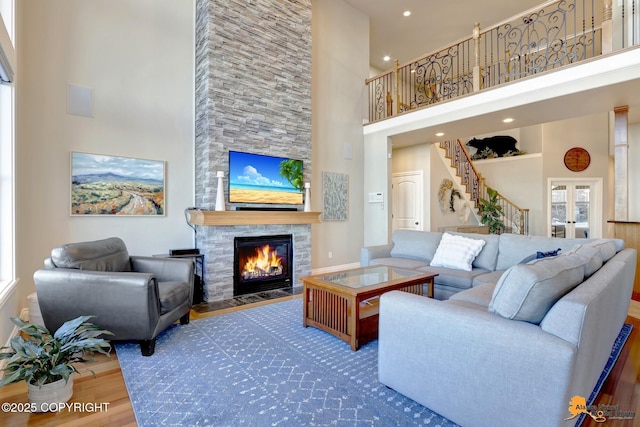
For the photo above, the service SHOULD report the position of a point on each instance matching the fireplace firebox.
(262, 263)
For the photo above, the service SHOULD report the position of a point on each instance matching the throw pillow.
(457, 252)
(539, 255)
(547, 254)
(527, 291)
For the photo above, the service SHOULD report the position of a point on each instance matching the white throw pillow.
(456, 252)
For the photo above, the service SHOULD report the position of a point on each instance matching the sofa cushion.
(453, 278)
(527, 291)
(455, 251)
(411, 264)
(488, 256)
(414, 244)
(101, 255)
(515, 247)
(490, 277)
(592, 257)
(479, 295)
(607, 248)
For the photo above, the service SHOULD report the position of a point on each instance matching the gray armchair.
(134, 297)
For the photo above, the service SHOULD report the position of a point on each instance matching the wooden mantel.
(198, 217)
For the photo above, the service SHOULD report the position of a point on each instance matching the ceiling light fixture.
(407, 13)
(440, 134)
(508, 120)
(387, 58)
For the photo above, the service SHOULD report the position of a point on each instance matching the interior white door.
(574, 209)
(406, 200)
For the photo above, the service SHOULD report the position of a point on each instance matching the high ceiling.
(434, 26)
(430, 26)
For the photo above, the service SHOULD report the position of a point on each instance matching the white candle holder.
(220, 206)
(307, 197)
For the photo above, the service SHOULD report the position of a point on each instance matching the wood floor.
(108, 391)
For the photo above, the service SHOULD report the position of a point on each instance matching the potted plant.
(491, 213)
(46, 362)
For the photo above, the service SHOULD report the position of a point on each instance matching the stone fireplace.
(253, 94)
(262, 263)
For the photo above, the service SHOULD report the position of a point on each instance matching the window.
(7, 169)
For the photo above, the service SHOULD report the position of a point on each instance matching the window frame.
(7, 163)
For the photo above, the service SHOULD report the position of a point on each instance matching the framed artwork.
(335, 195)
(111, 185)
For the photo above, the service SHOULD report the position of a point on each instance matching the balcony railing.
(550, 36)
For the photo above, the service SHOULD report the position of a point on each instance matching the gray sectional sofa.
(512, 341)
(415, 250)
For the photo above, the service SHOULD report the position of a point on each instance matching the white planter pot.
(53, 393)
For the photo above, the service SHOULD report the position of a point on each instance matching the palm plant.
(42, 358)
(490, 212)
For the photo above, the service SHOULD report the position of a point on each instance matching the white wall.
(137, 56)
(589, 132)
(519, 179)
(340, 36)
(377, 173)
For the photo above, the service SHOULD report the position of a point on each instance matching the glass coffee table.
(345, 303)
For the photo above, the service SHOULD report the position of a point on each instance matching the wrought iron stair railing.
(515, 218)
(548, 37)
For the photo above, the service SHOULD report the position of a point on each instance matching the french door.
(575, 208)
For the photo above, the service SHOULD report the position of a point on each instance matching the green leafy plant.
(291, 170)
(491, 213)
(42, 358)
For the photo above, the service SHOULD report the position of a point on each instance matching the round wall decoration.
(577, 159)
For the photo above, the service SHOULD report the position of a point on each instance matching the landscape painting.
(110, 185)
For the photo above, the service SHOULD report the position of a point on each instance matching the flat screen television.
(258, 178)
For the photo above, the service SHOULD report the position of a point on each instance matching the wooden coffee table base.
(350, 316)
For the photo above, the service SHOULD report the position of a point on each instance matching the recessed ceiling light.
(387, 57)
(407, 13)
(440, 134)
(508, 120)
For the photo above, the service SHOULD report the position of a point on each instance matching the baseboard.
(8, 289)
(335, 268)
(14, 332)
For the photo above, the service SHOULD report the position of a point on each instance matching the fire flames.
(266, 263)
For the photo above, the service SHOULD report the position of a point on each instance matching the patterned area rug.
(260, 367)
(615, 352)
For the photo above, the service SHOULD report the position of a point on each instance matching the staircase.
(515, 218)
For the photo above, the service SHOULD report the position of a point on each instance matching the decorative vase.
(307, 197)
(50, 394)
(220, 195)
